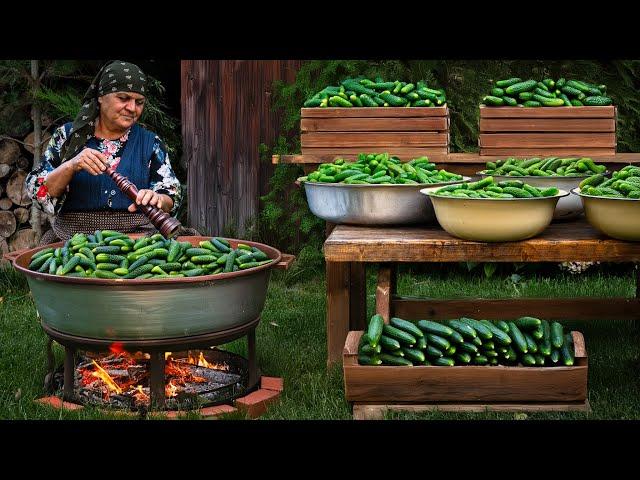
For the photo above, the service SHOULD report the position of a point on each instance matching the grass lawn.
(291, 343)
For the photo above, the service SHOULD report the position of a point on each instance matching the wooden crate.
(557, 388)
(407, 132)
(520, 131)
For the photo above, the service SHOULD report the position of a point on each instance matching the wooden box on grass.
(460, 384)
(549, 131)
(407, 132)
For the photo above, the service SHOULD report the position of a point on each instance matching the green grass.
(291, 342)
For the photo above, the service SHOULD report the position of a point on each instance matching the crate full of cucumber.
(525, 341)
(547, 118)
(361, 115)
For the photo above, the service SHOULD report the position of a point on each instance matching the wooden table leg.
(358, 297)
(385, 290)
(338, 310)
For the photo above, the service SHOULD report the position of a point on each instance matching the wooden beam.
(586, 308)
(338, 284)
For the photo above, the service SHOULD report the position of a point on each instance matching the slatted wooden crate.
(467, 387)
(520, 131)
(406, 132)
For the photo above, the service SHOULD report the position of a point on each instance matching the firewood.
(5, 169)
(21, 214)
(9, 152)
(7, 224)
(16, 189)
(5, 203)
(28, 141)
(24, 163)
(25, 238)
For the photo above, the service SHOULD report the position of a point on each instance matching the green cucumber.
(567, 351)
(521, 87)
(456, 337)
(367, 360)
(421, 343)
(463, 357)
(508, 82)
(483, 332)
(413, 354)
(545, 344)
(555, 355)
(444, 362)
(437, 341)
(469, 348)
(519, 342)
(538, 332)
(492, 101)
(532, 346)
(435, 328)
(556, 335)
(497, 92)
(369, 350)
(528, 360)
(389, 343)
(399, 335)
(375, 329)
(388, 359)
(462, 328)
(407, 326)
(480, 360)
(499, 336)
(528, 323)
(433, 352)
(502, 325)
(597, 101)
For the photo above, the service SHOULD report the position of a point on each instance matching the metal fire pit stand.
(156, 348)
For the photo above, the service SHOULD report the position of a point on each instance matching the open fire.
(121, 379)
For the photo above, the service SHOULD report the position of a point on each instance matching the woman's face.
(121, 110)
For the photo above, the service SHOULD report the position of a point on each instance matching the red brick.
(57, 402)
(272, 383)
(255, 404)
(217, 410)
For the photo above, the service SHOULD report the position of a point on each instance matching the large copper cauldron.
(154, 308)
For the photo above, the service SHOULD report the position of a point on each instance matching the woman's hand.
(89, 160)
(149, 197)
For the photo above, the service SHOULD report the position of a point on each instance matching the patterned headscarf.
(116, 76)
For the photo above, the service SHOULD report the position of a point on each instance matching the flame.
(167, 355)
(140, 396)
(116, 347)
(105, 377)
(171, 390)
(202, 362)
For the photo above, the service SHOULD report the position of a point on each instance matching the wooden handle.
(11, 256)
(285, 262)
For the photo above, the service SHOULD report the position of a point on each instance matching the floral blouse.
(163, 178)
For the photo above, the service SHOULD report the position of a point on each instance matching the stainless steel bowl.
(371, 204)
(616, 217)
(568, 207)
(149, 309)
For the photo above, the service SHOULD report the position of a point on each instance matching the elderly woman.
(69, 182)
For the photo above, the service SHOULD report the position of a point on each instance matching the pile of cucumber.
(547, 93)
(488, 188)
(362, 92)
(544, 167)
(526, 341)
(624, 183)
(380, 168)
(113, 255)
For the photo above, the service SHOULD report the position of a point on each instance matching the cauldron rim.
(22, 261)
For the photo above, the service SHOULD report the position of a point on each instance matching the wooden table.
(348, 248)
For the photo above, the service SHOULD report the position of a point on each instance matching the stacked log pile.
(16, 214)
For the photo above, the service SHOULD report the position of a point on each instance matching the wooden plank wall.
(226, 114)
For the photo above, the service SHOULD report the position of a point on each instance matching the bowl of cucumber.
(568, 207)
(617, 216)
(150, 308)
(488, 211)
(371, 204)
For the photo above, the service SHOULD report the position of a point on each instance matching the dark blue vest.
(93, 192)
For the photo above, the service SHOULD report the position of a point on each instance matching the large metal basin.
(616, 217)
(149, 309)
(371, 204)
(568, 207)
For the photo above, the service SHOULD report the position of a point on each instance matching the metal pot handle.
(11, 256)
(285, 262)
